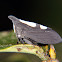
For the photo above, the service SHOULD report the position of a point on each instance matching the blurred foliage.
(18, 57)
(7, 38)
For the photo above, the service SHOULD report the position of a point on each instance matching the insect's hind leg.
(27, 41)
(30, 41)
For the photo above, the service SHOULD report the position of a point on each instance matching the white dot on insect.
(32, 24)
(14, 28)
(19, 35)
(43, 27)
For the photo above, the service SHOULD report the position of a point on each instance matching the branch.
(33, 49)
(26, 48)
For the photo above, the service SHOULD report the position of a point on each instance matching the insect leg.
(30, 41)
(27, 41)
(20, 40)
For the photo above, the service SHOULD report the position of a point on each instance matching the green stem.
(26, 48)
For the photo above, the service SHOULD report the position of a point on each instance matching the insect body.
(33, 33)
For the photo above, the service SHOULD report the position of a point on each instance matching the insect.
(33, 33)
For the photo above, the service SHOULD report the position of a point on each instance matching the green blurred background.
(45, 12)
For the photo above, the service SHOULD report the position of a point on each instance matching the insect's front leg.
(20, 40)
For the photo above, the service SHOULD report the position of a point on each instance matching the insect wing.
(47, 36)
